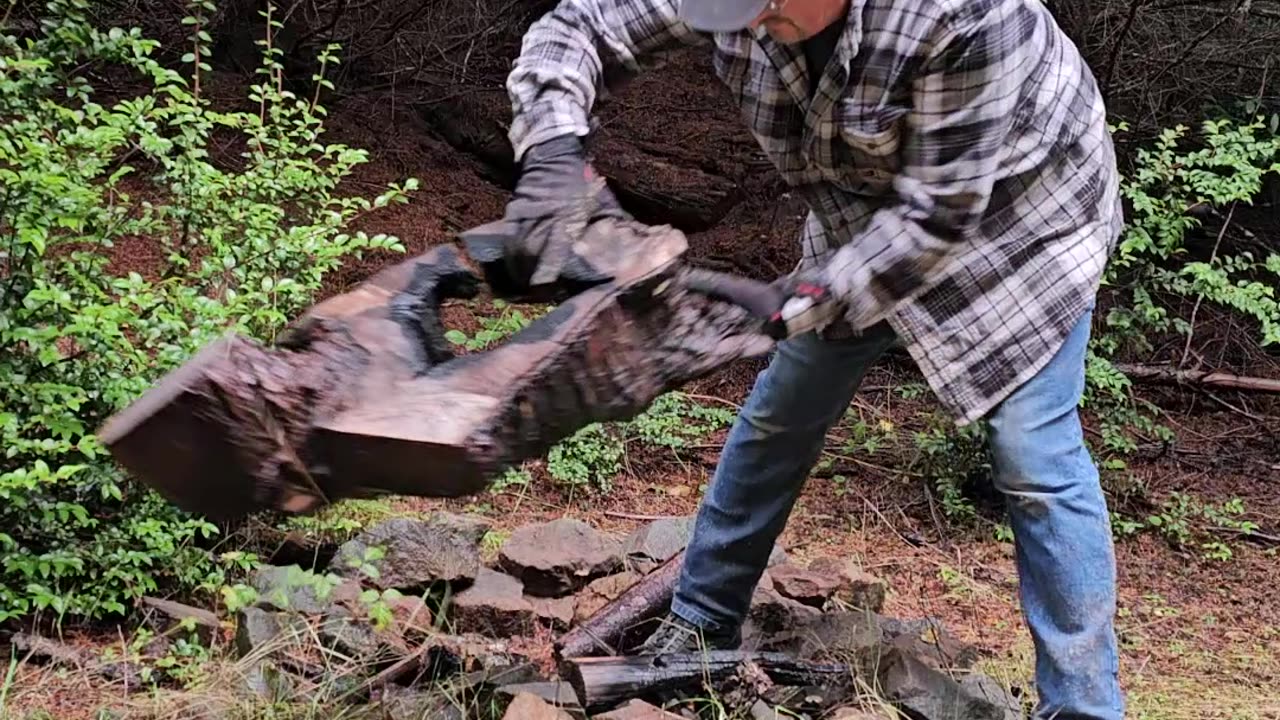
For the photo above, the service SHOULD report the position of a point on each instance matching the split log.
(651, 189)
(602, 682)
(363, 395)
(1170, 375)
(605, 630)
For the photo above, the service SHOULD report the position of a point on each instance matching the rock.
(770, 612)
(289, 587)
(494, 605)
(558, 694)
(481, 659)
(601, 592)
(269, 682)
(928, 640)
(929, 694)
(398, 703)
(637, 710)
(255, 628)
(410, 616)
(555, 613)
(415, 553)
(857, 589)
(559, 557)
(989, 689)
(806, 586)
(350, 635)
(525, 706)
(653, 544)
(472, 528)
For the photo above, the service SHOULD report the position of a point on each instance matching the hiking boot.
(677, 635)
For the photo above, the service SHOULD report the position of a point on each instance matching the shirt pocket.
(867, 140)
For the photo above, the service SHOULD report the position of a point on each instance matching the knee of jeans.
(1040, 458)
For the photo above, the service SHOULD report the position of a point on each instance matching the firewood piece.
(602, 682)
(232, 430)
(362, 395)
(1172, 376)
(607, 627)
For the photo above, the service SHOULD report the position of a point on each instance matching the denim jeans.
(1062, 534)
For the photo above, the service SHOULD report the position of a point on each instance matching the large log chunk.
(362, 394)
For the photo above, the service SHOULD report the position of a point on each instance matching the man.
(963, 198)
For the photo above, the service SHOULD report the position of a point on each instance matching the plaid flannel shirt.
(954, 156)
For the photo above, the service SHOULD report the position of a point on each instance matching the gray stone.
(289, 587)
(857, 589)
(398, 703)
(803, 585)
(559, 694)
(555, 613)
(928, 640)
(770, 612)
(265, 680)
(350, 635)
(989, 689)
(601, 592)
(653, 544)
(494, 605)
(929, 694)
(416, 553)
(255, 628)
(525, 706)
(560, 557)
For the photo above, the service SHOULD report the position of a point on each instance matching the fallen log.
(602, 682)
(362, 395)
(606, 629)
(52, 650)
(1170, 375)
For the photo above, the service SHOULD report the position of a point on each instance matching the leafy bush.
(1153, 273)
(243, 250)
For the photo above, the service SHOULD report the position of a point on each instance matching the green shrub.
(243, 250)
(1152, 275)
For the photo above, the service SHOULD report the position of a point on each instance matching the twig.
(1235, 409)
(1124, 35)
(1191, 324)
(1186, 52)
(1173, 376)
(1248, 534)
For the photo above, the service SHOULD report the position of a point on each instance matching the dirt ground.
(1200, 638)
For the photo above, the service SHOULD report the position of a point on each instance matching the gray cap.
(720, 15)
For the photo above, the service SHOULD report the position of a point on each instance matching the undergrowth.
(244, 250)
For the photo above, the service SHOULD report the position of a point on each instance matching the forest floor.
(1200, 637)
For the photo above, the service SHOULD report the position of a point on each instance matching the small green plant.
(509, 321)
(951, 459)
(377, 606)
(674, 420)
(1186, 522)
(589, 459)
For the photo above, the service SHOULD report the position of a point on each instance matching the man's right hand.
(557, 196)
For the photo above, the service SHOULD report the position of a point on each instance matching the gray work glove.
(556, 197)
(792, 305)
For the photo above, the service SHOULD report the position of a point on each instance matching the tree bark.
(604, 631)
(362, 395)
(602, 682)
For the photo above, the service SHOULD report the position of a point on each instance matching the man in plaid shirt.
(963, 197)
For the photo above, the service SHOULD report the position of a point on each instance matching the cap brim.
(720, 15)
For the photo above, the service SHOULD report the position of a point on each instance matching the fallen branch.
(52, 650)
(603, 631)
(1169, 375)
(602, 682)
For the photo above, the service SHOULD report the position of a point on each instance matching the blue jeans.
(1065, 558)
